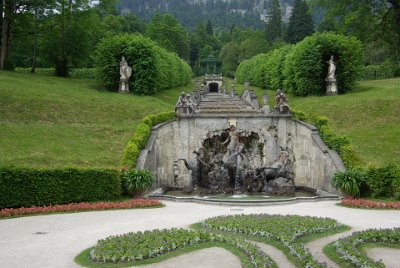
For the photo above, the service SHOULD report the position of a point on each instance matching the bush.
(153, 68)
(137, 180)
(142, 134)
(306, 67)
(274, 66)
(384, 182)
(373, 72)
(250, 70)
(42, 71)
(25, 187)
(83, 73)
(350, 181)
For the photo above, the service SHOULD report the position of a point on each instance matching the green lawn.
(370, 116)
(50, 121)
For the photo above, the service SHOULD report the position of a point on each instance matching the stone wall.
(314, 164)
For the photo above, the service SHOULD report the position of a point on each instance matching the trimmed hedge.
(26, 187)
(382, 71)
(301, 69)
(87, 73)
(142, 134)
(153, 68)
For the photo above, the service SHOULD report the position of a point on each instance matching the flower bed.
(363, 203)
(286, 230)
(348, 247)
(134, 203)
(134, 247)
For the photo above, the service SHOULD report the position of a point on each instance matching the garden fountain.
(222, 144)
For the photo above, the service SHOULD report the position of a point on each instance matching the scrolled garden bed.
(288, 232)
(133, 248)
(349, 251)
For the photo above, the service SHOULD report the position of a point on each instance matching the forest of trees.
(63, 34)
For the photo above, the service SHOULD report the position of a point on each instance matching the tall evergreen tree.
(209, 27)
(273, 28)
(300, 23)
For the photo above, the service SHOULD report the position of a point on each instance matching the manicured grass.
(56, 122)
(369, 116)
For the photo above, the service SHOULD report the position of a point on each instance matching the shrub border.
(142, 134)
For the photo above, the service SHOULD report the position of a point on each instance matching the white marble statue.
(331, 85)
(125, 71)
(331, 69)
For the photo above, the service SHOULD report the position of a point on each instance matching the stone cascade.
(217, 103)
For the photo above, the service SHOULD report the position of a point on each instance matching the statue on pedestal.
(125, 71)
(282, 106)
(331, 85)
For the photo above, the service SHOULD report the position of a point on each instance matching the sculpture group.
(231, 162)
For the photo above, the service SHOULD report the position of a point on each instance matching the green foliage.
(250, 70)
(349, 181)
(374, 72)
(152, 67)
(135, 247)
(142, 134)
(136, 180)
(300, 22)
(26, 187)
(306, 68)
(270, 227)
(375, 23)
(273, 28)
(273, 67)
(54, 122)
(169, 34)
(384, 181)
(349, 248)
(81, 73)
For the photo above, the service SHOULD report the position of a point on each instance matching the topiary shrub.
(153, 68)
(306, 68)
(26, 187)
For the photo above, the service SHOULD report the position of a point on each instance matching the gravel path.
(55, 240)
(316, 247)
(203, 258)
(389, 256)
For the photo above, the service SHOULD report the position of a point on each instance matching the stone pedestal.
(331, 87)
(123, 86)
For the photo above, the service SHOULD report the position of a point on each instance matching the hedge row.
(142, 134)
(81, 73)
(26, 187)
(153, 68)
(301, 69)
(374, 72)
